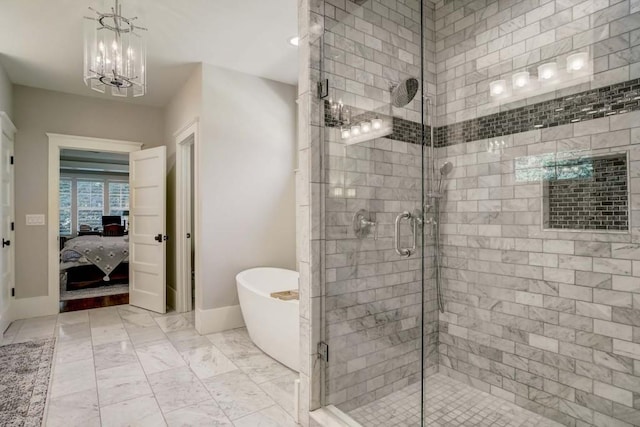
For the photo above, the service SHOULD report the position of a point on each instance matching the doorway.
(93, 229)
(186, 291)
(146, 225)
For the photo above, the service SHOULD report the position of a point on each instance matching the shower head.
(404, 92)
(446, 168)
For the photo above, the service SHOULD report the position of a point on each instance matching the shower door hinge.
(323, 351)
(13, 292)
(11, 160)
(323, 88)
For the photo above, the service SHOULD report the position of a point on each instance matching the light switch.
(35, 219)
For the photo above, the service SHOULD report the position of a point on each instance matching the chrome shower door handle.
(404, 252)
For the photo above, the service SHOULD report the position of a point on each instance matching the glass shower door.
(375, 296)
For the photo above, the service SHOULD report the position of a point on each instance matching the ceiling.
(41, 42)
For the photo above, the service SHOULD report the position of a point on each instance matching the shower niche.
(587, 193)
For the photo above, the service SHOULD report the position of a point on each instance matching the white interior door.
(6, 229)
(147, 229)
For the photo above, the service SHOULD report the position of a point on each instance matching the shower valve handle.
(363, 223)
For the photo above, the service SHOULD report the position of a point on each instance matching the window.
(66, 200)
(118, 198)
(90, 202)
(85, 199)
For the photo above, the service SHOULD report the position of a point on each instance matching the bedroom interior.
(94, 245)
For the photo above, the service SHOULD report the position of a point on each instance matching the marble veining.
(122, 366)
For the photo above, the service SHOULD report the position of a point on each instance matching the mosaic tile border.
(588, 105)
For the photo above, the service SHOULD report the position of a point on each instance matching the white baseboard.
(25, 308)
(218, 319)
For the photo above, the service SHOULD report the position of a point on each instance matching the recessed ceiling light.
(294, 41)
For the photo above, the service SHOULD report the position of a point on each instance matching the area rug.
(25, 369)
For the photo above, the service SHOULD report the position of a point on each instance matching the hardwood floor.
(93, 302)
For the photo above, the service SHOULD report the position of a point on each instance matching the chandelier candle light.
(115, 53)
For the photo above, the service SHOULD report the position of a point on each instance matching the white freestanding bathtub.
(273, 324)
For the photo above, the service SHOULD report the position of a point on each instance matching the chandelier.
(114, 53)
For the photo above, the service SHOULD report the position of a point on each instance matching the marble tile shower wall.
(369, 46)
(372, 304)
(479, 41)
(549, 320)
(373, 296)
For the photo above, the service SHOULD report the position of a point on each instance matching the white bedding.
(106, 253)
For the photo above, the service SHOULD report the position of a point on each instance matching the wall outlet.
(35, 219)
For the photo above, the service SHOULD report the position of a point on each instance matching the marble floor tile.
(146, 336)
(234, 344)
(107, 334)
(125, 309)
(118, 366)
(177, 388)
(74, 410)
(236, 394)
(73, 331)
(204, 414)
(208, 361)
(139, 412)
(73, 317)
(137, 320)
(159, 357)
(190, 316)
(73, 350)
(187, 339)
(114, 354)
(281, 390)
(173, 322)
(104, 317)
(273, 416)
(122, 383)
(73, 377)
(261, 368)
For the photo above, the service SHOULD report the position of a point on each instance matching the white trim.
(40, 306)
(8, 124)
(8, 129)
(171, 296)
(187, 139)
(218, 319)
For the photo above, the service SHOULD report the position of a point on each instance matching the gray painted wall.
(246, 179)
(40, 111)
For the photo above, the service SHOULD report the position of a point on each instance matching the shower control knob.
(362, 224)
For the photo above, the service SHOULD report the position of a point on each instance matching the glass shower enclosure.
(379, 300)
(480, 207)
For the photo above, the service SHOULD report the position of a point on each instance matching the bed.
(95, 261)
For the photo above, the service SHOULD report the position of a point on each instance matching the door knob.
(6, 243)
